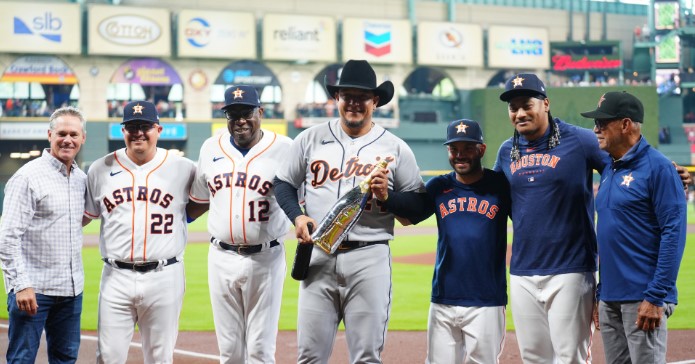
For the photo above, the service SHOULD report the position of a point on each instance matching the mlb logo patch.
(377, 39)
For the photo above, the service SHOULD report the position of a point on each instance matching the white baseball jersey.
(142, 208)
(243, 208)
(331, 162)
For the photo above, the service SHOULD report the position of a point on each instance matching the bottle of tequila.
(344, 214)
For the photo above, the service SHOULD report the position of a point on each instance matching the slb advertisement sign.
(296, 37)
(518, 47)
(40, 28)
(449, 44)
(216, 34)
(130, 31)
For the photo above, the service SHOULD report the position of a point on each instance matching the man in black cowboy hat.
(354, 284)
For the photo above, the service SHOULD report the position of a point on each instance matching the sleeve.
(406, 176)
(670, 208)
(19, 209)
(293, 171)
(414, 206)
(287, 198)
(199, 188)
(499, 160)
(92, 207)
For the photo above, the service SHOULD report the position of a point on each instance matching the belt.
(244, 249)
(141, 267)
(352, 244)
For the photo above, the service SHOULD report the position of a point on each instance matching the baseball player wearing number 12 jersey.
(140, 193)
(353, 285)
(246, 260)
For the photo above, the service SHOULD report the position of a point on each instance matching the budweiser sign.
(564, 62)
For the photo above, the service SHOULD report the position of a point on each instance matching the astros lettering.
(468, 204)
(323, 171)
(125, 194)
(224, 180)
(533, 160)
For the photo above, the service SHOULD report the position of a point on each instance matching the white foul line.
(138, 345)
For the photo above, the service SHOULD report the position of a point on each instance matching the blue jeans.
(59, 316)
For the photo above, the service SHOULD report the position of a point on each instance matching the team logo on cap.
(601, 100)
(627, 179)
(238, 94)
(518, 81)
(461, 128)
(137, 109)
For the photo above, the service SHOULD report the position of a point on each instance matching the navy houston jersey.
(553, 202)
(472, 243)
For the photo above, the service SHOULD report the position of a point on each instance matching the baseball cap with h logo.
(140, 111)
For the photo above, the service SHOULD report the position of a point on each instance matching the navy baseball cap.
(140, 111)
(616, 105)
(523, 84)
(464, 130)
(241, 95)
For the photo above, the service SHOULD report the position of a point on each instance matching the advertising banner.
(129, 31)
(146, 72)
(299, 38)
(42, 69)
(378, 41)
(518, 47)
(40, 28)
(585, 56)
(449, 44)
(216, 34)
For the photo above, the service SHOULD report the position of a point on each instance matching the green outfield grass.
(411, 288)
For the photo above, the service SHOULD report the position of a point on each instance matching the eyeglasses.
(234, 115)
(356, 98)
(134, 128)
(602, 124)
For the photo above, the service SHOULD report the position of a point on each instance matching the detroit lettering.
(322, 170)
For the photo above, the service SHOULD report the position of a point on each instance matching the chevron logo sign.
(377, 39)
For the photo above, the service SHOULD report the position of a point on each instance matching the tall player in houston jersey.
(353, 285)
(549, 165)
(469, 291)
(246, 261)
(140, 194)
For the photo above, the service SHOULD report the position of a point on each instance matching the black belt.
(141, 267)
(243, 249)
(352, 244)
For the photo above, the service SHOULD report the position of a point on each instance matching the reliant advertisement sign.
(378, 41)
(122, 30)
(299, 38)
(216, 34)
(449, 44)
(40, 28)
(518, 47)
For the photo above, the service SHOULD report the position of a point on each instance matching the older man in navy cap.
(140, 193)
(246, 262)
(641, 234)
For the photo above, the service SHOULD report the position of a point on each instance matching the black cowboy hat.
(359, 74)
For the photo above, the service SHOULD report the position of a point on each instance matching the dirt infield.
(401, 347)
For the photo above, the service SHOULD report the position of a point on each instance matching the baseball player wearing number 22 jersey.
(246, 260)
(140, 193)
